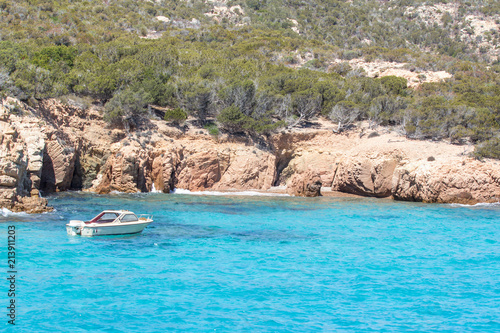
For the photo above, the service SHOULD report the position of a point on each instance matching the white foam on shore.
(154, 190)
(118, 192)
(481, 204)
(6, 213)
(242, 193)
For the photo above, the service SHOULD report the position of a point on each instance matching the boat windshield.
(105, 217)
(129, 218)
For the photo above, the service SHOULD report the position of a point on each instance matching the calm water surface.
(258, 264)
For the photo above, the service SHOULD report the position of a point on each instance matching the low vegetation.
(253, 74)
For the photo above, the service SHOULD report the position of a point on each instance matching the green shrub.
(212, 129)
(386, 110)
(232, 119)
(175, 116)
(344, 113)
(126, 105)
(488, 149)
(394, 85)
(50, 56)
(341, 68)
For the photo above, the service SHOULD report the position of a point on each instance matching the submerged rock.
(32, 205)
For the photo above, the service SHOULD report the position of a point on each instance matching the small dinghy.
(110, 222)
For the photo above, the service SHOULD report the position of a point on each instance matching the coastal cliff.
(55, 147)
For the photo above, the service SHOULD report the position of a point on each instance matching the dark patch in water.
(386, 217)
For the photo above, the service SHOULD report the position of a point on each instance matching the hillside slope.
(426, 69)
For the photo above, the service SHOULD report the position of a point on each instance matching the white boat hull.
(117, 229)
(75, 228)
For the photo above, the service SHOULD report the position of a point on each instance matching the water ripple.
(252, 264)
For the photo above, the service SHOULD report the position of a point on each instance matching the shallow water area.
(258, 264)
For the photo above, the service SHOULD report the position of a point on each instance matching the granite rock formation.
(21, 160)
(55, 147)
(464, 180)
(305, 185)
(366, 175)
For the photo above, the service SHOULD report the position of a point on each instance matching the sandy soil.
(361, 139)
(381, 68)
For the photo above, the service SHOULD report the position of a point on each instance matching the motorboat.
(110, 222)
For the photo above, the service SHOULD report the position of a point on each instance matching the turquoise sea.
(257, 264)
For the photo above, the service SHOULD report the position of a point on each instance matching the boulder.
(32, 205)
(305, 184)
(7, 181)
(365, 175)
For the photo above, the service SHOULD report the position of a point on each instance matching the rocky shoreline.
(54, 147)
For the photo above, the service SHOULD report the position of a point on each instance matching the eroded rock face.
(194, 167)
(248, 168)
(305, 184)
(124, 171)
(88, 163)
(40, 149)
(366, 175)
(21, 150)
(198, 170)
(58, 166)
(324, 163)
(461, 180)
(163, 170)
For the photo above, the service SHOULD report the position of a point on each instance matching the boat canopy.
(111, 215)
